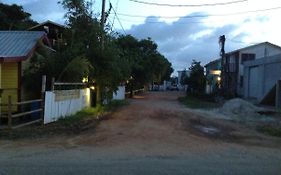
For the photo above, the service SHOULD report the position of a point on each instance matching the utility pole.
(223, 64)
(99, 90)
(103, 15)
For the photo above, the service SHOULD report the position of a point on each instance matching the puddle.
(208, 129)
(211, 129)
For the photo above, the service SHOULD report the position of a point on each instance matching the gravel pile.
(240, 107)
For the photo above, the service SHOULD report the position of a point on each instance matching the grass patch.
(270, 130)
(114, 104)
(198, 102)
(85, 114)
(92, 113)
(87, 119)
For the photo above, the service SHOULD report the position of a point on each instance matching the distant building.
(181, 75)
(213, 76)
(262, 80)
(233, 65)
(53, 30)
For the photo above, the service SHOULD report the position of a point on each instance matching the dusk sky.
(182, 32)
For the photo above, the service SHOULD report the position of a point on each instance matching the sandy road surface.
(153, 135)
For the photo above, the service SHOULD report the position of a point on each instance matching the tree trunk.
(98, 97)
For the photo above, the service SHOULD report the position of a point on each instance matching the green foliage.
(196, 102)
(92, 113)
(61, 65)
(147, 64)
(270, 130)
(196, 81)
(114, 104)
(85, 114)
(108, 63)
(13, 17)
(75, 70)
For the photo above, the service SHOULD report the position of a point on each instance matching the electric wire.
(116, 5)
(202, 16)
(188, 5)
(119, 20)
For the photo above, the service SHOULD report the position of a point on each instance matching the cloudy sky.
(182, 32)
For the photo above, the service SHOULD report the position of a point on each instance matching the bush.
(270, 130)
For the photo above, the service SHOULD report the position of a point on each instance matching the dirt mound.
(238, 106)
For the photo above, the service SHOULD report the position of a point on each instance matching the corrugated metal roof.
(46, 22)
(18, 43)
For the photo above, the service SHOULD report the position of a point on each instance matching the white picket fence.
(62, 103)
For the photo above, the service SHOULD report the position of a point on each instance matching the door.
(254, 82)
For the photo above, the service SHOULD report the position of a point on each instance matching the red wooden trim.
(12, 59)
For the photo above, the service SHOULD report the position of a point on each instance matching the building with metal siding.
(261, 78)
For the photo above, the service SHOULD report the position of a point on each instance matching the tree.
(147, 64)
(60, 65)
(119, 59)
(13, 17)
(196, 81)
(109, 69)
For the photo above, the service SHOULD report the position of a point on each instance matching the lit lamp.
(85, 80)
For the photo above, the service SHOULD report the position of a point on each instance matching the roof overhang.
(10, 59)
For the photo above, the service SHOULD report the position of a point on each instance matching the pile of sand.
(240, 107)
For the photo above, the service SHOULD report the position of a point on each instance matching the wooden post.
(10, 112)
(43, 97)
(53, 84)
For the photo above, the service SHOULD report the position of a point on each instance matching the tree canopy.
(107, 59)
(13, 17)
(196, 81)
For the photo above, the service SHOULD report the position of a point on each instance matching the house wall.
(267, 71)
(261, 51)
(9, 82)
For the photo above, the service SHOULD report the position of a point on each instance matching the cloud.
(45, 10)
(184, 40)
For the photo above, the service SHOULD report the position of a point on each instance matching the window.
(46, 28)
(247, 57)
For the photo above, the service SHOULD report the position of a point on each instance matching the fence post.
(43, 97)
(53, 84)
(10, 112)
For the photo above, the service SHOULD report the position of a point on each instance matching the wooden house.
(53, 30)
(15, 48)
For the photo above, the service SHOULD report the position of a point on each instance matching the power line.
(112, 26)
(201, 16)
(158, 22)
(188, 5)
(117, 3)
(119, 20)
(242, 42)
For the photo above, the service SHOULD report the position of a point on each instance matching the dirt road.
(153, 135)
